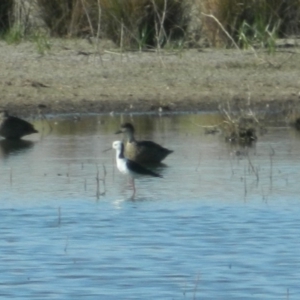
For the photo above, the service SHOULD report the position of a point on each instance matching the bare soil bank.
(76, 76)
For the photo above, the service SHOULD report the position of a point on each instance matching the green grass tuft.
(255, 23)
(14, 35)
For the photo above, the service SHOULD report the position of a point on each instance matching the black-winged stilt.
(130, 167)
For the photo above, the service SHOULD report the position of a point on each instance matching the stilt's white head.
(117, 145)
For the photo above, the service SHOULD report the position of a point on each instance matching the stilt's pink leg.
(133, 187)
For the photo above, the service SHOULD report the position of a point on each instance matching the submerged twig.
(245, 182)
(239, 127)
(98, 185)
(67, 244)
(59, 216)
(196, 286)
(272, 153)
(254, 170)
(43, 117)
(10, 176)
(98, 179)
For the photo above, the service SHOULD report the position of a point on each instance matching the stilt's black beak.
(118, 132)
(110, 148)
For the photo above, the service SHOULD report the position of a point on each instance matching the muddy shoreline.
(74, 76)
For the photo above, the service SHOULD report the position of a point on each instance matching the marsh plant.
(42, 42)
(260, 35)
(293, 116)
(130, 23)
(240, 125)
(14, 35)
(253, 23)
(144, 24)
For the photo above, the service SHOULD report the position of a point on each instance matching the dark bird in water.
(297, 123)
(130, 167)
(143, 152)
(14, 128)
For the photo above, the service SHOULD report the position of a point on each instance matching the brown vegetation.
(165, 80)
(156, 23)
(254, 20)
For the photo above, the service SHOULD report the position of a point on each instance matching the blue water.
(217, 226)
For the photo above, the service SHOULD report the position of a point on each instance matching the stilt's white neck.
(120, 151)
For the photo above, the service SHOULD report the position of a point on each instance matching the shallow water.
(223, 223)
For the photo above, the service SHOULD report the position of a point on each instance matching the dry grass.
(67, 17)
(240, 126)
(255, 19)
(155, 23)
(5, 13)
(131, 23)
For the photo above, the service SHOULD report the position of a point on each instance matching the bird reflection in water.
(8, 147)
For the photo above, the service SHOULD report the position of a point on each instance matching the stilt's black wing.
(137, 168)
